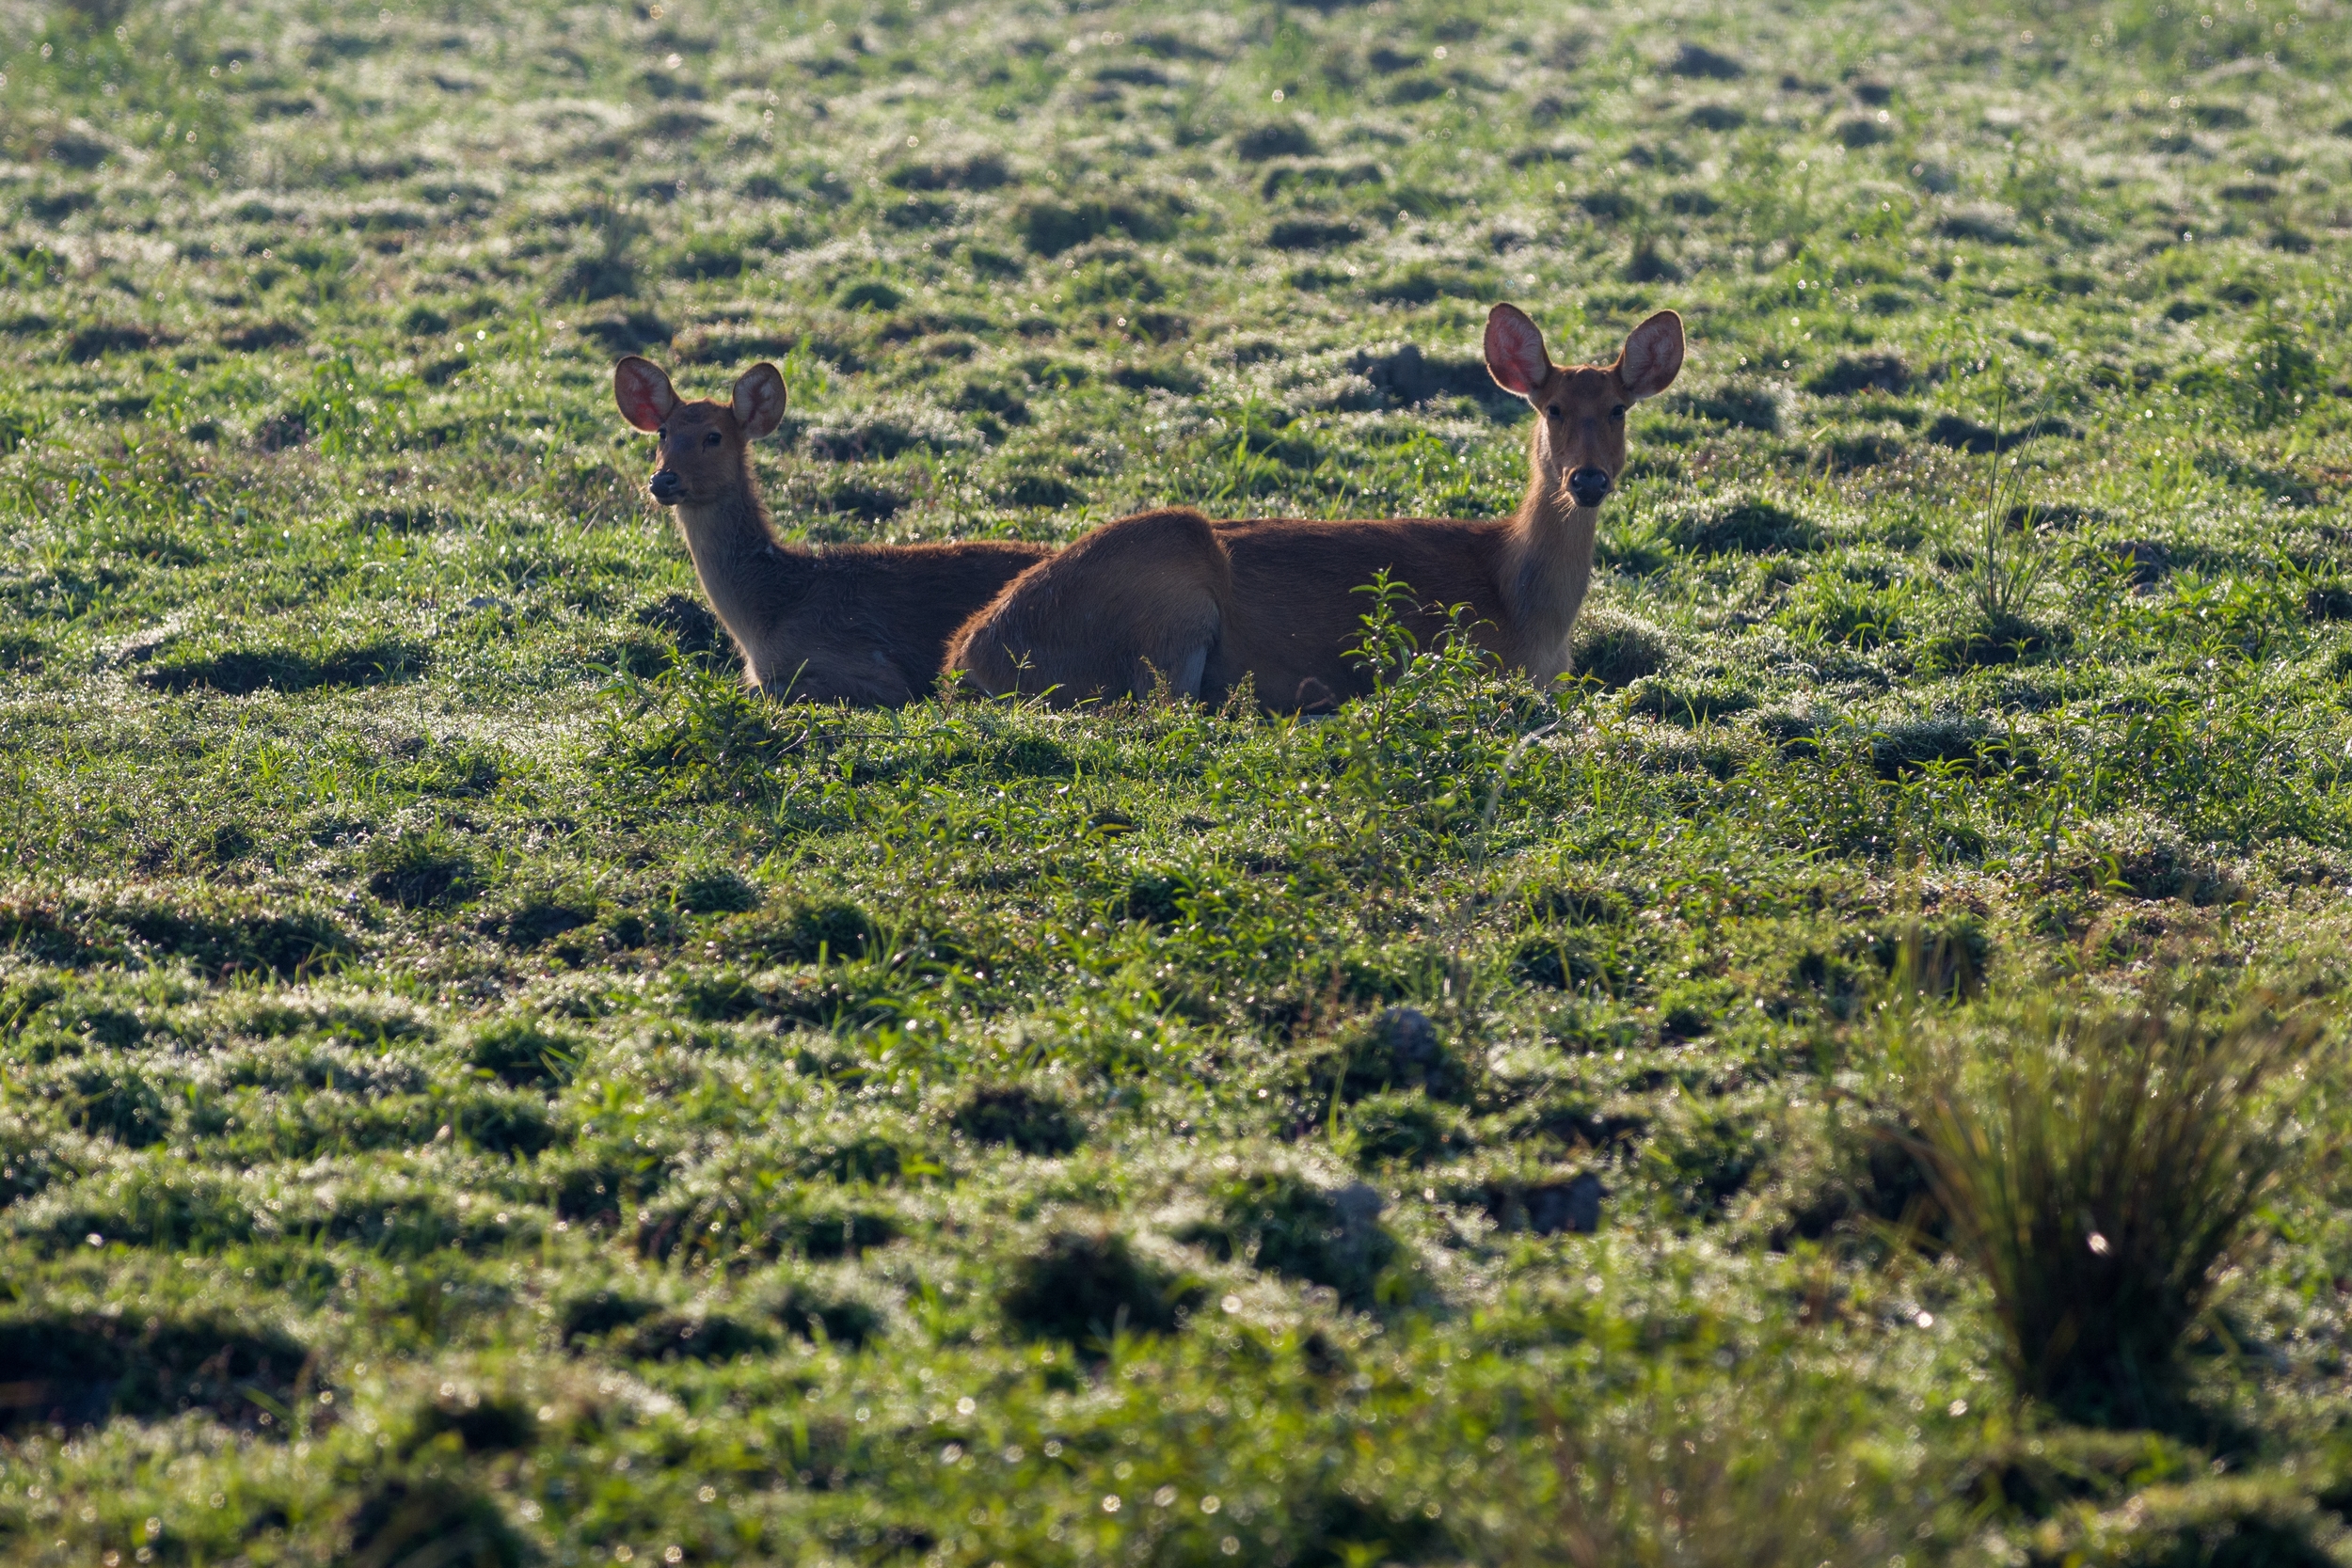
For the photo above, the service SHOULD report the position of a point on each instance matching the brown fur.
(866, 625)
(1208, 604)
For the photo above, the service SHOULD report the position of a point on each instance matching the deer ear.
(1515, 351)
(759, 400)
(1652, 356)
(643, 391)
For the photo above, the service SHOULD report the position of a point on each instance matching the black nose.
(667, 487)
(1588, 485)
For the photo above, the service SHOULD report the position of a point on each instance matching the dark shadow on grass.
(240, 671)
(87, 1368)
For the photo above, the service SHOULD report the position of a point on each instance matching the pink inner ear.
(1652, 355)
(759, 401)
(643, 394)
(1515, 352)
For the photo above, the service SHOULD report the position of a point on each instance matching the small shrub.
(1748, 404)
(1704, 1157)
(407, 1520)
(1983, 641)
(869, 294)
(1546, 1208)
(863, 500)
(1569, 960)
(1035, 1122)
(504, 1124)
(1912, 744)
(808, 1225)
(825, 931)
(2101, 1171)
(690, 625)
(814, 1314)
(1049, 227)
(232, 940)
(1861, 372)
(708, 259)
(1406, 1128)
(1649, 263)
(1686, 702)
(113, 1099)
(596, 1189)
(1617, 650)
(522, 1053)
(1697, 60)
(1580, 904)
(1087, 1286)
(1749, 526)
(596, 1313)
(717, 891)
(1280, 139)
(1307, 234)
(540, 918)
(1033, 488)
(1398, 1050)
(886, 431)
(1286, 1224)
(694, 1337)
(1945, 956)
(499, 1423)
(982, 171)
(92, 1366)
(1422, 282)
(421, 870)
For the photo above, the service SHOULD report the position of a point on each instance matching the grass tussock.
(2103, 1169)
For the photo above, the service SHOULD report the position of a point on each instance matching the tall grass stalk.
(2008, 570)
(2102, 1170)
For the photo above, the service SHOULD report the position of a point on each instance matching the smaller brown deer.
(866, 624)
(1171, 595)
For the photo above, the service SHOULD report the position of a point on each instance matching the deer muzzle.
(1589, 485)
(667, 487)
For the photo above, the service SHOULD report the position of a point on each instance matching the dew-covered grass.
(481, 1089)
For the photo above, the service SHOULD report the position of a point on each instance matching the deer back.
(869, 623)
(1295, 612)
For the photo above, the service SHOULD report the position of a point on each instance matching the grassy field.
(1857, 1080)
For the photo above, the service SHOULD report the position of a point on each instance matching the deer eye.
(1618, 412)
(1553, 410)
(711, 439)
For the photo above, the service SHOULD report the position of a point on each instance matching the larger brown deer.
(866, 624)
(1170, 595)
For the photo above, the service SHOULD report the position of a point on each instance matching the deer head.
(1578, 445)
(701, 447)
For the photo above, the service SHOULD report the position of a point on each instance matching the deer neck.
(749, 577)
(1547, 565)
